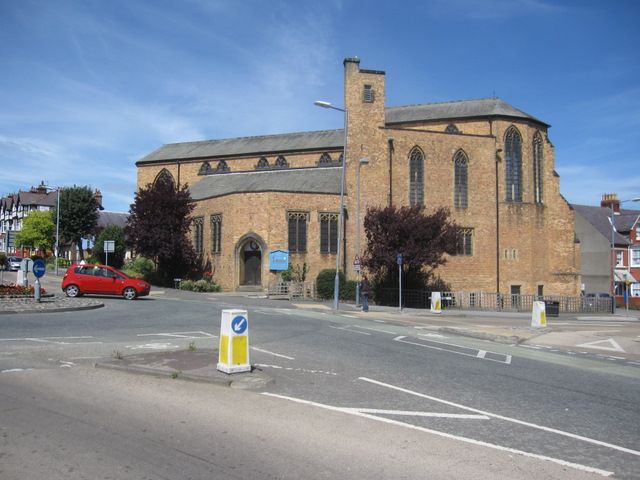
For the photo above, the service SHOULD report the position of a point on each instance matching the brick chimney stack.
(98, 196)
(610, 200)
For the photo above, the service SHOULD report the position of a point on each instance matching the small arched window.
(263, 164)
(460, 167)
(205, 169)
(222, 167)
(537, 168)
(281, 162)
(416, 177)
(325, 160)
(164, 177)
(513, 166)
(451, 128)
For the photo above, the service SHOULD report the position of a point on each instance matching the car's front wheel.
(72, 291)
(129, 293)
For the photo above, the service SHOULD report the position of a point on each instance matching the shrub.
(14, 289)
(348, 290)
(93, 260)
(199, 286)
(62, 262)
(325, 282)
(3, 260)
(139, 267)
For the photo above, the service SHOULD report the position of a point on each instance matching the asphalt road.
(580, 413)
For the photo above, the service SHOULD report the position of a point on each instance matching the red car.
(103, 280)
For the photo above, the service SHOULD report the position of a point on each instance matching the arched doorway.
(250, 263)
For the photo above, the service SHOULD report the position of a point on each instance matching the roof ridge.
(273, 135)
(447, 102)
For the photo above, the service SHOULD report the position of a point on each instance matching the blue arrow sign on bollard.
(39, 268)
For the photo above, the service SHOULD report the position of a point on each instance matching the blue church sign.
(278, 260)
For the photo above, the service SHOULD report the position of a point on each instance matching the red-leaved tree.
(159, 226)
(422, 240)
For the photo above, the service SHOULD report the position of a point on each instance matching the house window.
(297, 231)
(367, 94)
(537, 168)
(635, 289)
(328, 232)
(198, 224)
(416, 177)
(619, 259)
(635, 257)
(216, 233)
(464, 242)
(513, 147)
(460, 162)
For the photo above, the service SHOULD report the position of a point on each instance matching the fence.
(492, 301)
(292, 290)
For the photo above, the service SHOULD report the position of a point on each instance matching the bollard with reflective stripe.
(436, 302)
(538, 315)
(234, 342)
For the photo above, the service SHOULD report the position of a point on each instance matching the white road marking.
(432, 335)
(271, 353)
(12, 370)
(481, 354)
(501, 417)
(347, 330)
(349, 316)
(292, 369)
(374, 329)
(152, 346)
(56, 340)
(530, 346)
(613, 345)
(187, 335)
(379, 321)
(407, 413)
(357, 413)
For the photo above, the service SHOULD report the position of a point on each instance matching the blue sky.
(89, 87)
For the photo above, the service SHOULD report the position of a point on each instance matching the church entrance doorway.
(250, 264)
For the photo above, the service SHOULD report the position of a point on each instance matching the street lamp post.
(363, 161)
(56, 251)
(336, 287)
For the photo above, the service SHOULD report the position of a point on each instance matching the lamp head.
(320, 103)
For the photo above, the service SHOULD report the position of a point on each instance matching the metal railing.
(493, 301)
(292, 290)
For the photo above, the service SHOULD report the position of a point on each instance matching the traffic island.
(47, 304)
(193, 365)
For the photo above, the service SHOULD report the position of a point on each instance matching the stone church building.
(491, 164)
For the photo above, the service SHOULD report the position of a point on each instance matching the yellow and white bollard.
(436, 302)
(538, 315)
(234, 342)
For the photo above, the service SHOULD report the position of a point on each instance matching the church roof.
(300, 141)
(333, 139)
(483, 107)
(295, 180)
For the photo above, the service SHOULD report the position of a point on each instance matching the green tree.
(37, 231)
(423, 240)
(78, 214)
(159, 227)
(115, 233)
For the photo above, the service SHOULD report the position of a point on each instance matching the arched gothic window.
(537, 168)
(513, 167)
(460, 166)
(263, 164)
(164, 176)
(281, 162)
(416, 177)
(222, 167)
(325, 160)
(205, 169)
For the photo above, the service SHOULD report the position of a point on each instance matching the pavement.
(599, 334)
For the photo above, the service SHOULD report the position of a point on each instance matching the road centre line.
(346, 329)
(362, 414)
(481, 353)
(407, 413)
(501, 417)
(272, 353)
(187, 335)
